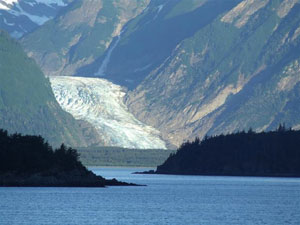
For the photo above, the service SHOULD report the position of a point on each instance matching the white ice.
(100, 103)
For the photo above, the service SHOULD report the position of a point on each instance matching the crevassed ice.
(100, 103)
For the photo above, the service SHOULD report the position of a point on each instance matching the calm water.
(166, 200)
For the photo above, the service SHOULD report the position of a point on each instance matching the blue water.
(166, 200)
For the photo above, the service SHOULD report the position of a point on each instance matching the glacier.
(100, 103)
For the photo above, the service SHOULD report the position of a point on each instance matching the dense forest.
(30, 161)
(31, 154)
(116, 156)
(274, 153)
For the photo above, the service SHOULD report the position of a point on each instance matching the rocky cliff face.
(79, 34)
(239, 71)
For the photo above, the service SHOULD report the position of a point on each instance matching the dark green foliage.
(115, 156)
(31, 154)
(275, 153)
(30, 161)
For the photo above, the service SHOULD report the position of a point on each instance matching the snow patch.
(40, 20)
(100, 103)
(14, 9)
(7, 4)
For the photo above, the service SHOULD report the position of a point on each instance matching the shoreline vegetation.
(265, 154)
(29, 161)
(122, 157)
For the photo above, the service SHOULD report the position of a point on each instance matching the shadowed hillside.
(30, 161)
(275, 153)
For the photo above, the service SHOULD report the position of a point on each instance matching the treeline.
(115, 156)
(31, 154)
(275, 153)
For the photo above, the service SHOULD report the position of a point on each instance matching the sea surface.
(167, 199)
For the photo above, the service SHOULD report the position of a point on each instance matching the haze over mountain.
(188, 67)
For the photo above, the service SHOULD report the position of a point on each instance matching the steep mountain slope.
(239, 71)
(100, 103)
(27, 103)
(194, 67)
(19, 17)
(79, 34)
(151, 37)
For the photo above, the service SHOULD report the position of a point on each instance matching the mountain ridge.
(192, 68)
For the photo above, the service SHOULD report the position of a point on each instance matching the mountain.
(239, 71)
(150, 38)
(189, 67)
(27, 103)
(79, 34)
(19, 17)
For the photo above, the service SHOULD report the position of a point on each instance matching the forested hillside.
(27, 160)
(275, 153)
(27, 103)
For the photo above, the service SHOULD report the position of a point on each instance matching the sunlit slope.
(240, 71)
(100, 103)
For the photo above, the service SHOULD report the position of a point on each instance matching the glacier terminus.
(100, 103)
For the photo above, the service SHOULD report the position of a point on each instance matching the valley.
(100, 102)
(208, 88)
(156, 81)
